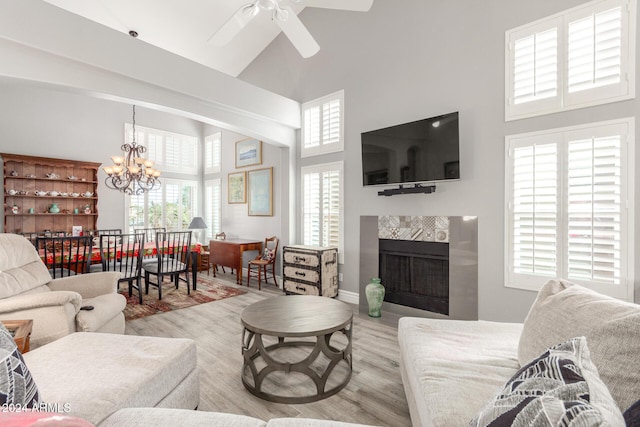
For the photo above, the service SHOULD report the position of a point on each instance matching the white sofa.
(28, 292)
(452, 369)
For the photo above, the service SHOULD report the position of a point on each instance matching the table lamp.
(197, 223)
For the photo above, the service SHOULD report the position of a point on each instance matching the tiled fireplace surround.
(462, 235)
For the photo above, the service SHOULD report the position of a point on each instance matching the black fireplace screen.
(415, 274)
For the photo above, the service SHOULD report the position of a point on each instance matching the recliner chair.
(28, 292)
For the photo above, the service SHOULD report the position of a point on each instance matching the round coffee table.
(291, 319)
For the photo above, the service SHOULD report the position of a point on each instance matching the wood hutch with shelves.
(32, 185)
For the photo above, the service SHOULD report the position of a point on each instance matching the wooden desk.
(228, 253)
(21, 331)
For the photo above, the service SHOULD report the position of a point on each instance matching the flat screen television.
(422, 151)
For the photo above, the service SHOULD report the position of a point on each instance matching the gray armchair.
(27, 292)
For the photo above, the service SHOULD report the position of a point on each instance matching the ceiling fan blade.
(356, 5)
(300, 37)
(232, 27)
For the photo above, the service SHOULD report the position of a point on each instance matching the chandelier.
(131, 173)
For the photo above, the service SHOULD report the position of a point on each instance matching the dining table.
(150, 249)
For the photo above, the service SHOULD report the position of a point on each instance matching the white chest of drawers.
(310, 270)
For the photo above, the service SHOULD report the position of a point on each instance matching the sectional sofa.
(575, 358)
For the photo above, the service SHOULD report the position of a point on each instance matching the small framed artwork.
(248, 153)
(237, 187)
(260, 189)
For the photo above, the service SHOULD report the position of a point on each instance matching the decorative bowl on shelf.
(53, 193)
(23, 192)
(64, 194)
(74, 194)
(30, 175)
(52, 175)
(87, 194)
(72, 178)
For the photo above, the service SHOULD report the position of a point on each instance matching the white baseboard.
(349, 297)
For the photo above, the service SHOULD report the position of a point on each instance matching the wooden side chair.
(268, 257)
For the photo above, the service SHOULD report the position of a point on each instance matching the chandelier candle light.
(131, 173)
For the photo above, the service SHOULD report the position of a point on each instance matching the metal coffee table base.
(253, 349)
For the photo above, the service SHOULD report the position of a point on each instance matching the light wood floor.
(373, 396)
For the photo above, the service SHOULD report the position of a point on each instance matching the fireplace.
(428, 265)
(415, 273)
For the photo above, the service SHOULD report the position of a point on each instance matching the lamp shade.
(197, 223)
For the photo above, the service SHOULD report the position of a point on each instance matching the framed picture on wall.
(248, 153)
(260, 189)
(237, 187)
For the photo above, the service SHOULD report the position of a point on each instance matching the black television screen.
(424, 150)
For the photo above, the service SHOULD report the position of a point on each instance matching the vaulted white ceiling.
(183, 27)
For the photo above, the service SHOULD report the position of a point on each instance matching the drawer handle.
(301, 274)
(299, 259)
(300, 288)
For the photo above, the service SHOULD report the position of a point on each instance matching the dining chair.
(268, 257)
(65, 256)
(173, 249)
(123, 253)
(107, 232)
(220, 236)
(150, 233)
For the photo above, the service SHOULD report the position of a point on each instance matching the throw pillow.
(632, 415)
(560, 387)
(268, 254)
(17, 388)
(564, 310)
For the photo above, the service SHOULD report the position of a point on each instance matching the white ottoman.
(97, 374)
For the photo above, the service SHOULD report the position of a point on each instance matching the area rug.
(208, 289)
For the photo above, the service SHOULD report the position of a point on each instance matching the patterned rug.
(209, 289)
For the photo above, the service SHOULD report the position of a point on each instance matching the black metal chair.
(66, 256)
(150, 233)
(173, 250)
(106, 232)
(123, 253)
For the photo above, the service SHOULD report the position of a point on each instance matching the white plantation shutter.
(322, 201)
(535, 209)
(570, 207)
(535, 70)
(594, 50)
(212, 207)
(331, 208)
(323, 125)
(580, 57)
(213, 153)
(595, 211)
(171, 152)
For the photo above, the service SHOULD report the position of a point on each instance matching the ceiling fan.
(287, 20)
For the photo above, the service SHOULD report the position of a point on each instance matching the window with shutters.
(172, 205)
(213, 153)
(569, 196)
(322, 201)
(171, 152)
(578, 58)
(212, 207)
(323, 125)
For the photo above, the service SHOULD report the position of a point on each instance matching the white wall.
(408, 60)
(38, 121)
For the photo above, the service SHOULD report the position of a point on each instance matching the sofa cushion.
(98, 373)
(560, 387)
(451, 368)
(156, 417)
(20, 266)
(564, 310)
(17, 388)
